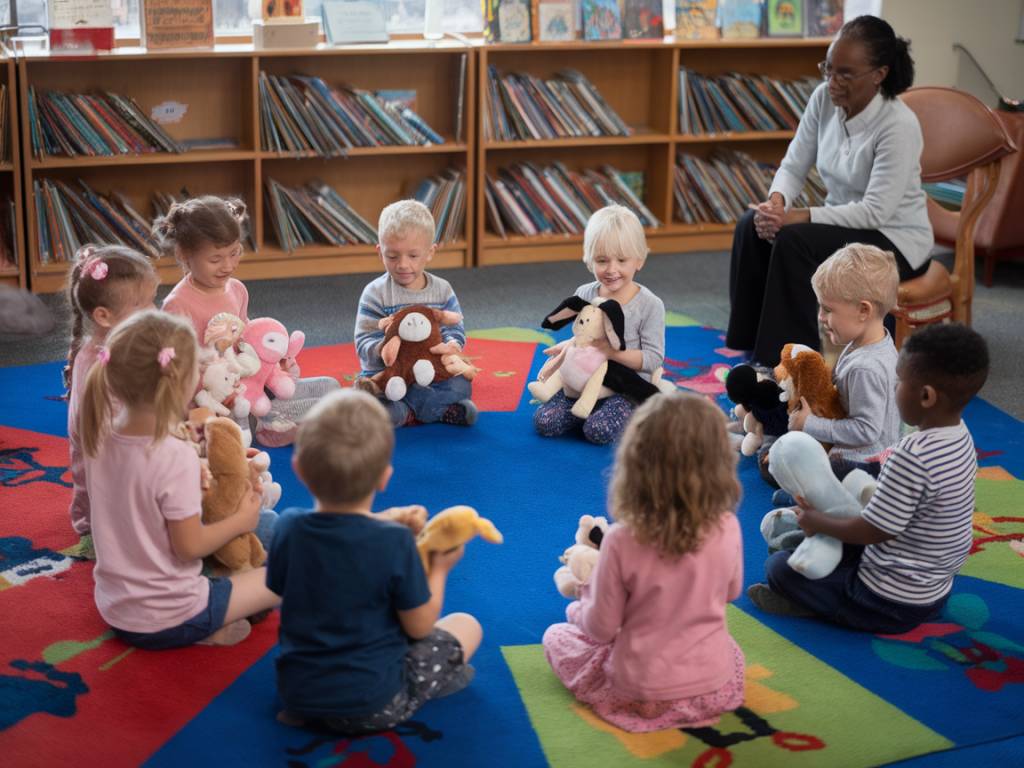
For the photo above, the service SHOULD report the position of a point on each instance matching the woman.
(867, 146)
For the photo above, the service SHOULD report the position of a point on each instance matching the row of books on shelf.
(8, 227)
(304, 114)
(730, 19)
(92, 124)
(523, 107)
(720, 188)
(315, 213)
(736, 102)
(528, 199)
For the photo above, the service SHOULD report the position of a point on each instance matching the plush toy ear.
(614, 323)
(389, 352)
(596, 536)
(740, 384)
(564, 313)
(446, 317)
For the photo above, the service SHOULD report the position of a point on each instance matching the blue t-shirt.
(342, 577)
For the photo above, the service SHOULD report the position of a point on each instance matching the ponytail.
(885, 49)
(95, 410)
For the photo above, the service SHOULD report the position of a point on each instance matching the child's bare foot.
(229, 634)
(287, 718)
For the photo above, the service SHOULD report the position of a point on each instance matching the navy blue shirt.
(342, 577)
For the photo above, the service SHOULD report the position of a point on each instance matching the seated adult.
(867, 146)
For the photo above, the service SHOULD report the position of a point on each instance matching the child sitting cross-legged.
(361, 646)
(901, 553)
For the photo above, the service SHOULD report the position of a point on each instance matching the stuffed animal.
(273, 345)
(229, 484)
(451, 527)
(802, 372)
(758, 408)
(800, 465)
(221, 390)
(409, 336)
(580, 368)
(223, 337)
(579, 560)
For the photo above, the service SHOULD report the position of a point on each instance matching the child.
(361, 646)
(614, 250)
(205, 236)
(406, 234)
(647, 646)
(856, 288)
(105, 286)
(901, 553)
(144, 484)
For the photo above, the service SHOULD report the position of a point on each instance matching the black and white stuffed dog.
(580, 367)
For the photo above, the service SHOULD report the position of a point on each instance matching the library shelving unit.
(10, 179)
(640, 81)
(214, 94)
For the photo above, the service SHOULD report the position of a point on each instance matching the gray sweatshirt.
(866, 380)
(645, 325)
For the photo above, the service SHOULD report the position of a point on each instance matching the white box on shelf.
(300, 33)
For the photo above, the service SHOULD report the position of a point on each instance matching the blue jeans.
(842, 598)
(199, 627)
(428, 404)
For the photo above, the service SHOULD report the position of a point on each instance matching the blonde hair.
(675, 472)
(122, 272)
(149, 359)
(191, 224)
(614, 229)
(859, 272)
(344, 446)
(402, 216)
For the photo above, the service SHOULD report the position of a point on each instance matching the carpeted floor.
(948, 694)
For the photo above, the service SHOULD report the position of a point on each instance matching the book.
(514, 21)
(402, 97)
(696, 19)
(602, 20)
(445, 195)
(555, 20)
(642, 20)
(460, 99)
(282, 10)
(739, 18)
(354, 21)
(177, 24)
(824, 17)
(738, 102)
(313, 213)
(784, 18)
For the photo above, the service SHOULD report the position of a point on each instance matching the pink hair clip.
(103, 355)
(165, 356)
(96, 269)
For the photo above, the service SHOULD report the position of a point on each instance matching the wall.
(985, 27)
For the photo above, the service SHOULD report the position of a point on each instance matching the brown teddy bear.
(409, 336)
(230, 481)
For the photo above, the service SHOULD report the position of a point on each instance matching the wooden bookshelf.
(10, 178)
(640, 81)
(221, 92)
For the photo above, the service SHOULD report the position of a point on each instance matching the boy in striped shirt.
(406, 234)
(901, 554)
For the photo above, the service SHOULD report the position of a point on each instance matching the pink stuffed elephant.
(272, 344)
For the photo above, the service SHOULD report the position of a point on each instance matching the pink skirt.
(584, 668)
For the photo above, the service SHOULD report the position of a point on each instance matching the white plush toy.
(221, 389)
(801, 467)
(271, 490)
(579, 560)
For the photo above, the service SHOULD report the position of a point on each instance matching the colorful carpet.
(950, 693)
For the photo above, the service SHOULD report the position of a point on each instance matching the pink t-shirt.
(136, 486)
(84, 361)
(665, 617)
(199, 307)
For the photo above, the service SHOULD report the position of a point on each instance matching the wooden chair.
(961, 137)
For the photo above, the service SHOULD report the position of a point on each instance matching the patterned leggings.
(604, 425)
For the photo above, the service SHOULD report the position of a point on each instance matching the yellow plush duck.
(452, 527)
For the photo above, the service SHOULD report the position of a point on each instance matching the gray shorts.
(431, 665)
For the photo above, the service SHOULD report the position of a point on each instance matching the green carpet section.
(798, 712)
(513, 334)
(678, 320)
(998, 553)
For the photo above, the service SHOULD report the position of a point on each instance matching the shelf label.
(167, 112)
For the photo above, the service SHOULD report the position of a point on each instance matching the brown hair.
(343, 447)
(675, 472)
(189, 225)
(123, 271)
(134, 374)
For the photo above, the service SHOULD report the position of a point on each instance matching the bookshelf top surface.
(667, 42)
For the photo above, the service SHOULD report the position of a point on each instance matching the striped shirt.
(925, 499)
(384, 297)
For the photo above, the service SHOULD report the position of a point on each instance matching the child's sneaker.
(768, 601)
(461, 414)
(83, 549)
(276, 432)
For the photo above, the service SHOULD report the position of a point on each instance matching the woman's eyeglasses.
(827, 73)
